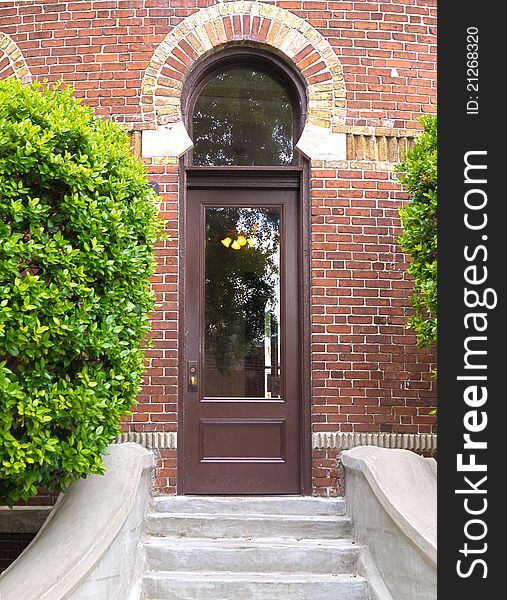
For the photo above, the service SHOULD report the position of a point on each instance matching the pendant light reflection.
(239, 242)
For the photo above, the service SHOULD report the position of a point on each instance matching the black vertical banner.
(472, 234)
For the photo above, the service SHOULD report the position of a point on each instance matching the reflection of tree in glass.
(242, 117)
(240, 285)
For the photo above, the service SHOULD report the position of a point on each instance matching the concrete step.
(235, 525)
(209, 585)
(260, 555)
(258, 505)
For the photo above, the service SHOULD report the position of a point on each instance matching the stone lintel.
(319, 143)
(171, 140)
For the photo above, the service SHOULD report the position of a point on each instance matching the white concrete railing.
(392, 498)
(87, 547)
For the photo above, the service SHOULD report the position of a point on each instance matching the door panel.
(237, 439)
(241, 403)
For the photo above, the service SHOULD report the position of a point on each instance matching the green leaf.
(419, 238)
(78, 228)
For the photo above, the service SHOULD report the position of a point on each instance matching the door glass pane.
(242, 303)
(242, 117)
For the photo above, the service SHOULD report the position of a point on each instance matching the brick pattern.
(166, 471)
(368, 374)
(370, 69)
(162, 363)
(157, 408)
(11, 546)
(327, 476)
(43, 498)
(385, 51)
(12, 62)
(245, 22)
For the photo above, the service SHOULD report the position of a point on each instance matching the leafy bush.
(77, 230)
(419, 238)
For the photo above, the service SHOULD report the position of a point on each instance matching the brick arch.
(262, 24)
(12, 62)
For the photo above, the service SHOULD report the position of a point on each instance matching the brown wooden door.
(241, 408)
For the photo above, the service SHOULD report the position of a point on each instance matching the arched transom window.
(244, 113)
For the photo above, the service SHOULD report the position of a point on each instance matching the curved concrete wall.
(87, 548)
(392, 498)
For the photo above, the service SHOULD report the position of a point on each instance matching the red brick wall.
(327, 478)
(166, 471)
(157, 408)
(11, 546)
(368, 374)
(103, 47)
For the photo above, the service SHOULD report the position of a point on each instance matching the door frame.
(254, 177)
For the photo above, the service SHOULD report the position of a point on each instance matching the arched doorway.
(243, 425)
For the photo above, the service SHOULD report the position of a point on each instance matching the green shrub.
(77, 231)
(419, 238)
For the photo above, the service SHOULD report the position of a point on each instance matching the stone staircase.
(250, 548)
